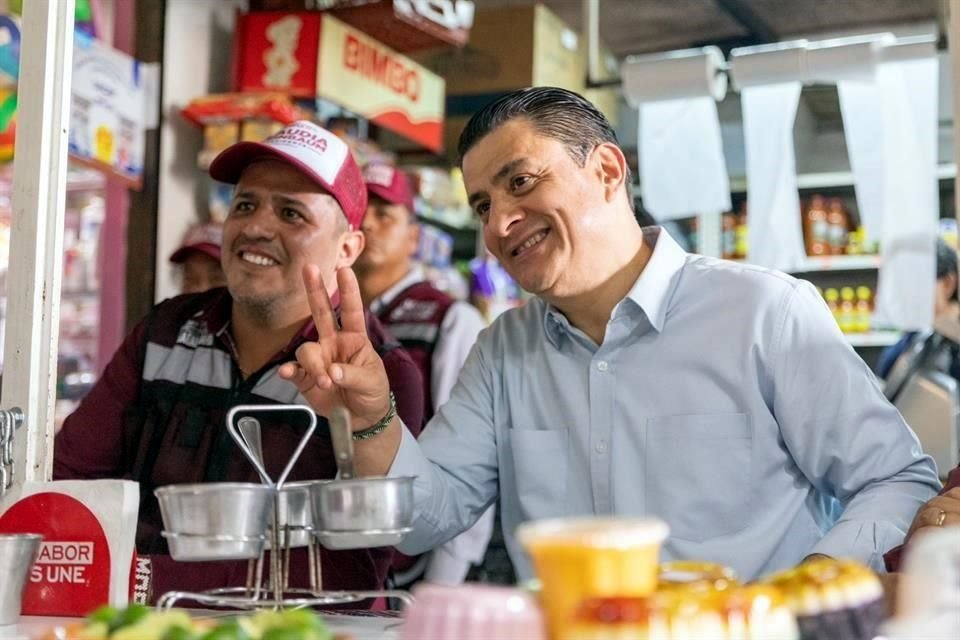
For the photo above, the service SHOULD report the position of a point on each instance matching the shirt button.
(602, 365)
(601, 446)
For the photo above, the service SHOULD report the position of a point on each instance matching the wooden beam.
(144, 204)
(746, 17)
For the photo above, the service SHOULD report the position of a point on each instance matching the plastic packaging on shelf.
(435, 254)
(492, 290)
(948, 231)
(442, 196)
(228, 118)
(80, 283)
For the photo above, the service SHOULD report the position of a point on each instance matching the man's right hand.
(941, 511)
(341, 367)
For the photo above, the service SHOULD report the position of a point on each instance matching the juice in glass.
(580, 558)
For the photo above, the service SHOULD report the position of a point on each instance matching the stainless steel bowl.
(295, 510)
(362, 539)
(17, 554)
(186, 547)
(216, 511)
(362, 508)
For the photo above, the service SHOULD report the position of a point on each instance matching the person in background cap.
(199, 258)
(435, 329)
(157, 414)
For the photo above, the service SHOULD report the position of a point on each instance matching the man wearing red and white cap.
(199, 258)
(435, 329)
(157, 414)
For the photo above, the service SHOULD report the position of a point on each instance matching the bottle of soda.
(817, 228)
(864, 311)
(848, 310)
(837, 227)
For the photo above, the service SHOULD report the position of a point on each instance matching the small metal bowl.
(218, 512)
(295, 509)
(367, 539)
(362, 512)
(186, 547)
(18, 551)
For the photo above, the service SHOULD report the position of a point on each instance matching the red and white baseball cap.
(204, 238)
(322, 156)
(389, 183)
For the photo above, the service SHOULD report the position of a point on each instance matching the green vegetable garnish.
(129, 616)
(227, 631)
(179, 633)
(104, 614)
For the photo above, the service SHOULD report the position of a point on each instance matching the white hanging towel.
(776, 232)
(908, 106)
(864, 133)
(682, 168)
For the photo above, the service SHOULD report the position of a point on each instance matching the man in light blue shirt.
(642, 380)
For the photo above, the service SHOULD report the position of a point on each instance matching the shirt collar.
(651, 291)
(414, 275)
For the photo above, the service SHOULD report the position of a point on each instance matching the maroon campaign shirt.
(157, 416)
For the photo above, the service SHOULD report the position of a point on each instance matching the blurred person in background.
(436, 330)
(157, 414)
(912, 352)
(946, 313)
(199, 258)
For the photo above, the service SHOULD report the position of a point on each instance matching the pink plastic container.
(472, 612)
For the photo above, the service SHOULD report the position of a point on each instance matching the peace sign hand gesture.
(341, 367)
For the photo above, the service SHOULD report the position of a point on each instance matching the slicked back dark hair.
(555, 113)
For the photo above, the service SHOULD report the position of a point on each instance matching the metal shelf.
(833, 179)
(839, 263)
(873, 338)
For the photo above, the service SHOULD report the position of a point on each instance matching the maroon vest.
(413, 317)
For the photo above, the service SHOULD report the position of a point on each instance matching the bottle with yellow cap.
(848, 309)
(864, 310)
(832, 296)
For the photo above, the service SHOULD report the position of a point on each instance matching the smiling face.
(545, 218)
(279, 221)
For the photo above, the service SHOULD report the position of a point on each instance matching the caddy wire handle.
(258, 465)
(277, 569)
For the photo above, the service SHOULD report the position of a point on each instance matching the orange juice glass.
(580, 558)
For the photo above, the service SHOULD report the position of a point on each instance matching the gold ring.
(941, 518)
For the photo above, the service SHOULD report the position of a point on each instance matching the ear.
(351, 246)
(611, 167)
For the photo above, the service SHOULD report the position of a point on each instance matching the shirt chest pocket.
(699, 474)
(540, 471)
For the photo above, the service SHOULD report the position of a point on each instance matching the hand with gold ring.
(942, 511)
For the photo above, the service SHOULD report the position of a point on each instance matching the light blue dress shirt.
(723, 399)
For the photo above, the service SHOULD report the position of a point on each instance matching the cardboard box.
(511, 48)
(277, 51)
(408, 26)
(310, 54)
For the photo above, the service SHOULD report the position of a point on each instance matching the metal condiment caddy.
(235, 521)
